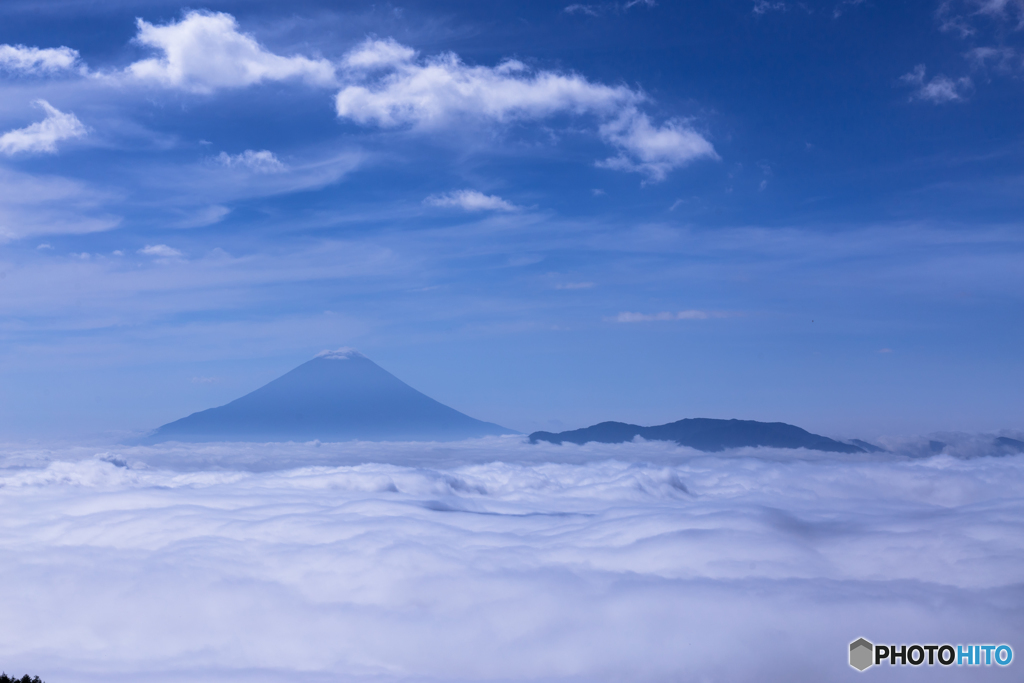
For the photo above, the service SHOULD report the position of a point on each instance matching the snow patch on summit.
(344, 353)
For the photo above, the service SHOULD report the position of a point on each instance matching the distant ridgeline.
(706, 434)
(338, 396)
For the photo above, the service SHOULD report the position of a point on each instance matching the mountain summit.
(338, 396)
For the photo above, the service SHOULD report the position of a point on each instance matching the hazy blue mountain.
(337, 396)
(704, 434)
(1008, 444)
(868, 447)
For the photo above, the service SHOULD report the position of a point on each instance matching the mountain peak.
(330, 401)
(344, 353)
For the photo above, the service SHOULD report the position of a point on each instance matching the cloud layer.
(496, 560)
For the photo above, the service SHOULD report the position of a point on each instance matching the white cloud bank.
(34, 60)
(391, 87)
(470, 200)
(641, 561)
(43, 136)
(205, 52)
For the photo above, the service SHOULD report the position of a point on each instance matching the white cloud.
(628, 317)
(999, 58)
(470, 200)
(574, 285)
(262, 161)
(376, 562)
(44, 135)
(1007, 10)
(764, 6)
(607, 7)
(427, 94)
(578, 8)
(968, 17)
(375, 54)
(34, 60)
(442, 90)
(652, 150)
(160, 251)
(205, 52)
(198, 218)
(939, 90)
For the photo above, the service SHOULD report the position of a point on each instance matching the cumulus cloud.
(34, 60)
(388, 562)
(441, 90)
(262, 161)
(939, 90)
(427, 94)
(470, 200)
(205, 51)
(653, 150)
(628, 317)
(160, 251)
(43, 136)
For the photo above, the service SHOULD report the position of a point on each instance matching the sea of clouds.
(497, 560)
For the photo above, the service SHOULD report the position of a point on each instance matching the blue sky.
(542, 214)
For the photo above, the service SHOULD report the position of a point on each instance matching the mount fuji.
(338, 396)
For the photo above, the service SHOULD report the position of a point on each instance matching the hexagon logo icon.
(862, 654)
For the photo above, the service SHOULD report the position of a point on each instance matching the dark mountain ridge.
(704, 434)
(338, 396)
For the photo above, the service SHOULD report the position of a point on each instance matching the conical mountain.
(338, 396)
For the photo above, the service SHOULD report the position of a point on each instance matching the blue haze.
(847, 260)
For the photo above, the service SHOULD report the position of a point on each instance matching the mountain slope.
(339, 395)
(703, 434)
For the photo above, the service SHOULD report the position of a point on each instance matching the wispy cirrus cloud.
(42, 136)
(630, 317)
(160, 251)
(939, 89)
(601, 8)
(47, 205)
